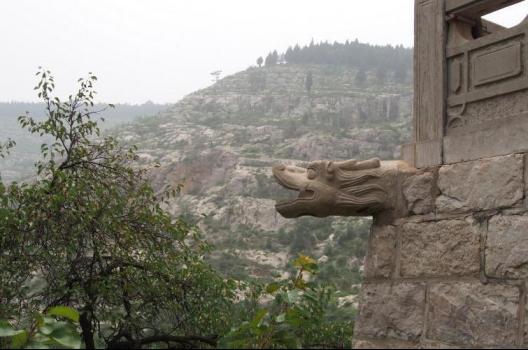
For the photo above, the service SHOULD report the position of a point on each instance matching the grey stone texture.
(460, 274)
(470, 313)
(341, 188)
(384, 344)
(480, 185)
(507, 247)
(381, 253)
(453, 273)
(443, 248)
(418, 192)
(393, 311)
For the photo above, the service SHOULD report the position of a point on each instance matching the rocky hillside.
(220, 143)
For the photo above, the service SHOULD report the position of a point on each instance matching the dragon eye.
(312, 174)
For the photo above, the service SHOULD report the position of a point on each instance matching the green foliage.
(58, 328)
(90, 233)
(272, 58)
(296, 318)
(5, 147)
(352, 53)
(361, 77)
(308, 82)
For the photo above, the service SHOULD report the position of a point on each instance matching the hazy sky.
(161, 50)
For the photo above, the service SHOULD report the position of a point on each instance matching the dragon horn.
(355, 165)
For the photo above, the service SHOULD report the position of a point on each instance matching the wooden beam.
(476, 8)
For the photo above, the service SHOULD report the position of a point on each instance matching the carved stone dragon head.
(344, 188)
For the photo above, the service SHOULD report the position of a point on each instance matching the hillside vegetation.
(220, 143)
(321, 101)
(217, 145)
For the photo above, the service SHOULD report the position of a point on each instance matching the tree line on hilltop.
(364, 57)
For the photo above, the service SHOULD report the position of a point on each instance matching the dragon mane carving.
(339, 188)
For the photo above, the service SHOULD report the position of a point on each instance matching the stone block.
(418, 193)
(508, 135)
(391, 311)
(473, 314)
(507, 247)
(526, 179)
(441, 248)
(479, 185)
(525, 330)
(381, 252)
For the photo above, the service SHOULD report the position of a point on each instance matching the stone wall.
(454, 271)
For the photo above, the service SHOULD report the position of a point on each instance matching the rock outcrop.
(220, 143)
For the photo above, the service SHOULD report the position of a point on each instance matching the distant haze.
(161, 50)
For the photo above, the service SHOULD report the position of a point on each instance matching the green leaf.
(6, 330)
(20, 340)
(311, 267)
(64, 311)
(67, 337)
(294, 317)
(272, 287)
(50, 325)
(304, 262)
(40, 341)
(257, 320)
(292, 296)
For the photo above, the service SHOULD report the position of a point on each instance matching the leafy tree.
(216, 75)
(267, 61)
(5, 147)
(4, 150)
(274, 57)
(361, 77)
(400, 74)
(90, 233)
(260, 60)
(308, 82)
(297, 317)
(381, 75)
(394, 59)
(58, 328)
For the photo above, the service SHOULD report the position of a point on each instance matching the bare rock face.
(472, 314)
(443, 248)
(507, 247)
(485, 184)
(256, 212)
(391, 311)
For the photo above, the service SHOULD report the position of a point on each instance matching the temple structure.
(470, 83)
(447, 260)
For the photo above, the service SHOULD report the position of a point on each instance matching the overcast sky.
(161, 50)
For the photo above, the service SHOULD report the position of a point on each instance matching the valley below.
(220, 143)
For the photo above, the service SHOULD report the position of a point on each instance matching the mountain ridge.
(221, 141)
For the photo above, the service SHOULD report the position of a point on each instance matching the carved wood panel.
(483, 69)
